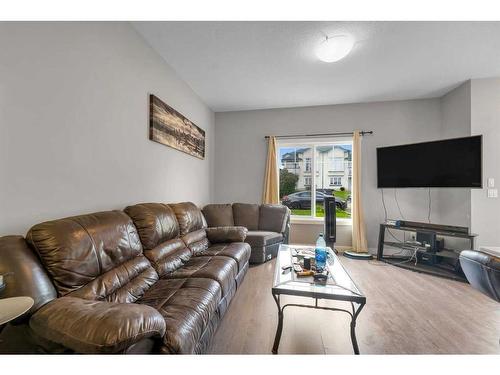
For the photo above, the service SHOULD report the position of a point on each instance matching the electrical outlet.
(492, 193)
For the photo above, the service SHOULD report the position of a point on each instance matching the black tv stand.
(443, 262)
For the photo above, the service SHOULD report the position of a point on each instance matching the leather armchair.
(482, 271)
(96, 326)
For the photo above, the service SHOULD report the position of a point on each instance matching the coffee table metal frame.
(357, 300)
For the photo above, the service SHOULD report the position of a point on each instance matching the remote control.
(297, 268)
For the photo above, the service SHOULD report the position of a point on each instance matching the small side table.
(14, 307)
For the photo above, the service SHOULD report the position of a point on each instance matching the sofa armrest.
(286, 232)
(482, 258)
(226, 234)
(95, 326)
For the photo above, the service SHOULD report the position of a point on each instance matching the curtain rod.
(345, 134)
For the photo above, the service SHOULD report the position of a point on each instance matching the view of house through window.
(332, 166)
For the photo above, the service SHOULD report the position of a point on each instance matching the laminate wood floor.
(406, 313)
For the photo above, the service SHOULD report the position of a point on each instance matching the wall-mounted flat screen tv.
(446, 163)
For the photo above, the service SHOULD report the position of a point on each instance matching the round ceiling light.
(335, 48)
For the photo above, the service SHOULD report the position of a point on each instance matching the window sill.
(318, 221)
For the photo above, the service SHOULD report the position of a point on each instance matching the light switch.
(491, 182)
(492, 193)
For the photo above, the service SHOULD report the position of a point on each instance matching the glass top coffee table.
(339, 287)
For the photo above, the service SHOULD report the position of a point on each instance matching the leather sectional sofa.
(268, 225)
(151, 278)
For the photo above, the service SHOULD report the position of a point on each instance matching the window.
(331, 163)
(336, 181)
(308, 165)
(336, 164)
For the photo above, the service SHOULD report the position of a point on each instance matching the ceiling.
(254, 65)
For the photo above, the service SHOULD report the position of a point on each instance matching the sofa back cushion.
(125, 283)
(155, 222)
(101, 250)
(196, 241)
(273, 217)
(189, 217)
(246, 215)
(159, 232)
(168, 256)
(218, 215)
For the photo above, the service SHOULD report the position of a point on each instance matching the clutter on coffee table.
(304, 267)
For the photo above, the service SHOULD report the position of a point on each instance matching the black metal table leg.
(353, 337)
(354, 315)
(277, 337)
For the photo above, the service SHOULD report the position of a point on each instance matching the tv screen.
(448, 163)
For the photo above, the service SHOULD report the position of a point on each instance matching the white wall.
(74, 124)
(485, 120)
(240, 151)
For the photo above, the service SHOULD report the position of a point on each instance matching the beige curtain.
(271, 178)
(359, 244)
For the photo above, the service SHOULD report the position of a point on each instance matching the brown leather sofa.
(150, 279)
(268, 225)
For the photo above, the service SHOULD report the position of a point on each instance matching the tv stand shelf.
(444, 253)
(439, 271)
(445, 261)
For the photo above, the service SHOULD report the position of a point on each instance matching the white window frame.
(313, 143)
(338, 178)
(308, 162)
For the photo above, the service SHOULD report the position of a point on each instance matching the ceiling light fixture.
(335, 48)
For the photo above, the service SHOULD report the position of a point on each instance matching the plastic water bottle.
(320, 253)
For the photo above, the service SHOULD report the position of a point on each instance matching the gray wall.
(74, 124)
(485, 120)
(240, 151)
(454, 204)
(308, 233)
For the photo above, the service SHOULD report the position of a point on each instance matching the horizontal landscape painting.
(170, 128)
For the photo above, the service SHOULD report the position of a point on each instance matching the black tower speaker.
(330, 222)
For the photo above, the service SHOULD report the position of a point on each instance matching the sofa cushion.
(239, 251)
(246, 215)
(218, 215)
(273, 217)
(77, 250)
(188, 305)
(155, 223)
(189, 217)
(168, 256)
(221, 269)
(263, 238)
